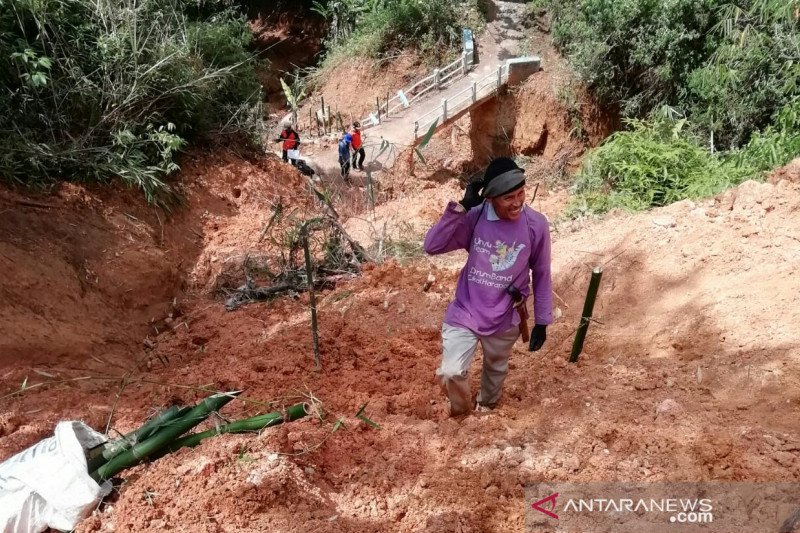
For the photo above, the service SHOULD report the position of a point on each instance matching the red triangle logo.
(552, 501)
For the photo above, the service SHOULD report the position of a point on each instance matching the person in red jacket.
(358, 147)
(291, 141)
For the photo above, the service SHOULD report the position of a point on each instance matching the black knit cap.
(501, 166)
(498, 166)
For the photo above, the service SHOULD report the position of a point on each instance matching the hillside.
(668, 357)
(112, 309)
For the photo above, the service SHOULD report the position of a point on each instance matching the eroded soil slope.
(689, 373)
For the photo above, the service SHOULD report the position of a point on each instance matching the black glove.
(538, 336)
(471, 195)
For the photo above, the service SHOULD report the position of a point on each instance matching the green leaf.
(287, 91)
(384, 146)
(38, 79)
(419, 154)
(361, 416)
(427, 137)
(339, 424)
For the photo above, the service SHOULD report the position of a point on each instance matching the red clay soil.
(689, 371)
(351, 86)
(287, 38)
(89, 272)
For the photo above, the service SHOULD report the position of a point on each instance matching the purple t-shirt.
(501, 253)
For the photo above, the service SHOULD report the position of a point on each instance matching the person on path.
(358, 146)
(291, 141)
(344, 154)
(507, 242)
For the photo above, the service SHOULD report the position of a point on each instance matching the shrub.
(635, 53)
(96, 89)
(728, 67)
(376, 28)
(753, 73)
(653, 164)
(778, 144)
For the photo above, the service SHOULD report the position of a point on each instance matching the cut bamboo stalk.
(163, 437)
(244, 425)
(586, 316)
(101, 455)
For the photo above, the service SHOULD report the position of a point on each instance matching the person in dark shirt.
(344, 154)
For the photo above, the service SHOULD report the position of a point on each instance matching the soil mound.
(690, 357)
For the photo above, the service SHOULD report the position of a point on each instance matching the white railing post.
(444, 110)
(436, 76)
(474, 92)
(416, 129)
(464, 63)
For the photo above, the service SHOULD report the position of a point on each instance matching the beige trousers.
(458, 349)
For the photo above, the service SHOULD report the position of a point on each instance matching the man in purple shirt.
(506, 241)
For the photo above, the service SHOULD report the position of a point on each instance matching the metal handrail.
(454, 63)
(433, 81)
(420, 82)
(454, 104)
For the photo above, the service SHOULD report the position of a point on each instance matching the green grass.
(380, 29)
(96, 90)
(657, 162)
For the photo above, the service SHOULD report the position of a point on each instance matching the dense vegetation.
(377, 28)
(730, 74)
(659, 161)
(93, 89)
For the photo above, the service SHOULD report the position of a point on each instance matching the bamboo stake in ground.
(311, 297)
(330, 119)
(586, 316)
(370, 193)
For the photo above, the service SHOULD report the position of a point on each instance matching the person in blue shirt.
(344, 154)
